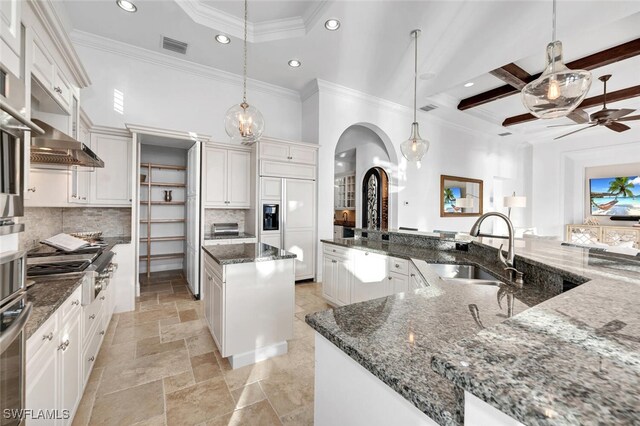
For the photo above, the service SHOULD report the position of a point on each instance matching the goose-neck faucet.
(514, 274)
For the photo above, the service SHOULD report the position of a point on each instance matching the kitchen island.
(249, 297)
(452, 352)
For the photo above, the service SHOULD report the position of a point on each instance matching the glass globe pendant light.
(559, 90)
(414, 148)
(244, 123)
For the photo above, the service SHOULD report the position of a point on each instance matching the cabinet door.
(299, 220)
(207, 295)
(62, 89)
(10, 35)
(217, 314)
(398, 283)
(70, 363)
(238, 179)
(79, 179)
(274, 151)
(270, 188)
(41, 377)
(301, 243)
(344, 279)
(271, 238)
(111, 185)
(47, 188)
(303, 154)
(371, 276)
(215, 177)
(42, 64)
(329, 267)
(415, 279)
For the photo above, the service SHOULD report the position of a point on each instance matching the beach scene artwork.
(450, 197)
(615, 196)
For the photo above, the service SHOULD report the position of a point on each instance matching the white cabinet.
(272, 238)
(123, 282)
(111, 185)
(47, 188)
(270, 188)
(54, 367)
(220, 242)
(288, 152)
(345, 192)
(227, 178)
(214, 301)
(10, 35)
(54, 91)
(352, 275)
(79, 177)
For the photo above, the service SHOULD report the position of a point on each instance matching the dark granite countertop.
(46, 295)
(228, 237)
(556, 363)
(230, 254)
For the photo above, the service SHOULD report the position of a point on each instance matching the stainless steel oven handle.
(10, 334)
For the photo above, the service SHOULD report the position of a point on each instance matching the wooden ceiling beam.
(605, 57)
(618, 95)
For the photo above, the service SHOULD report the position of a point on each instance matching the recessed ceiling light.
(223, 39)
(332, 24)
(294, 63)
(469, 84)
(126, 5)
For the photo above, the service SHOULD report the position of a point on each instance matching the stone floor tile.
(248, 395)
(199, 403)
(152, 346)
(258, 414)
(205, 367)
(130, 405)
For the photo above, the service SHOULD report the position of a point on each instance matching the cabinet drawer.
(72, 304)
(334, 250)
(274, 151)
(62, 89)
(399, 266)
(301, 154)
(91, 316)
(45, 336)
(213, 266)
(290, 170)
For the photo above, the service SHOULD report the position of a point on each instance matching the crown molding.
(52, 23)
(111, 131)
(257, 32)
(104, 44)
(174, 134)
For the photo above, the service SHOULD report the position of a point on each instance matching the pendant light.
(244, 123)
(415, 147)
(559, 90)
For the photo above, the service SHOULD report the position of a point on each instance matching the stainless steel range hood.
(55, 147)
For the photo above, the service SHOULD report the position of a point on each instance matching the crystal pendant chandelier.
(244, 123)
(415, 147)
(559, 90)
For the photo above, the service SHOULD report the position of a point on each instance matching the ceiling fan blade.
(575, 131)
(564, 125)
(629, 118)
(620, 113)
(617, 127)
(580, 116)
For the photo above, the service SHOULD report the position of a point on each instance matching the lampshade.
(414, 148)
(244, 123)
(464, 202)
(559, 90)
(515, 201)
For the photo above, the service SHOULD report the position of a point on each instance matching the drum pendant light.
(559, 90)
(244, 123)
(414, 148)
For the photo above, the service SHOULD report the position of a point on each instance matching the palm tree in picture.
(449, 198)
(621, 186)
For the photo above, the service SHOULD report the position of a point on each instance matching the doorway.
(375, 199)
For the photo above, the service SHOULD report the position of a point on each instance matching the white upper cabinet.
(288, 152)
(10, 40)
(111, 185)
(227, 178)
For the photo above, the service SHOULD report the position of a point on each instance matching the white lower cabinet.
(351, 275)
(61, 354)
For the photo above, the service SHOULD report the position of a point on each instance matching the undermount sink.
(464, 274)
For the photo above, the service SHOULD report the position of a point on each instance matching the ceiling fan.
(608, 117)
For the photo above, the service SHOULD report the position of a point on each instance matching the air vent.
(428, 107)
(174, 45)
(505, 134)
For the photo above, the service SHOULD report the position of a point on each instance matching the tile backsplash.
(212, 216)
(43, 222)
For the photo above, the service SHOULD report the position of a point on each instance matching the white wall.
(169, 93)
(454, 151)
(559, 173)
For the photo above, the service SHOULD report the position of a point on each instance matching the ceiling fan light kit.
(414, 148)
(559, 90)
(244, 123)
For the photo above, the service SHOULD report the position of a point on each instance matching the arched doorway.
(375, 199)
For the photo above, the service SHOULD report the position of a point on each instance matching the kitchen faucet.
(514, 274)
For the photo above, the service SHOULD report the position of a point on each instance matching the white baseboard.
(260, 354)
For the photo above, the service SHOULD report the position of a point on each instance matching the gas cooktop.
(46, 260)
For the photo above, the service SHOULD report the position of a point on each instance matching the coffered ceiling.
(372, 51)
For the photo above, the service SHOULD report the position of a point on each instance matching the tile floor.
(159, 365)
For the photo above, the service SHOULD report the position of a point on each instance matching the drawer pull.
(64, 345)
(102, 298)
(413, 275)
(397, 265)
(75, 302)
(92, 316)
(102, 333)
(48, 336)
(57, 90)
(334, 250)
(366, 253)
(334, 261)
(93, 358)
(33, 189)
